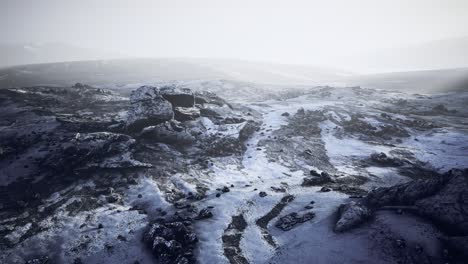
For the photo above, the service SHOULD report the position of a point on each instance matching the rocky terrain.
(195, 172)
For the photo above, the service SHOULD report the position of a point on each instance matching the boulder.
(351, 215)
(169, 132)
(209, 112)
(179, 97)
(441, 199)
(449, 206)
(148, 108)
(247, 130)
(316, 179)
(205, 97)
(186, 113)
(382, 159)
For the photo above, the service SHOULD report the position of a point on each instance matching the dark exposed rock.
(262, 194)
(278, 189)
(287, 222)
(205, 97)
(314, 173)
(231, 240)
(441, 199)
(247, 130)
(382, 159)
(148, 107)
(171, 242)
(285, 114)
(225, 146)
(351, 215)
(209, 112)
(204, 214)
(448, 206)
(170, 132)
(179, 97)
(315, 180)
(94, 150)
(186, 113)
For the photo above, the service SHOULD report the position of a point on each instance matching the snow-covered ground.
(350, 121)
(315, 239)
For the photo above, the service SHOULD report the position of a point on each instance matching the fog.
(360, 36)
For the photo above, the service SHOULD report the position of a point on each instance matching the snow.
(442, 148)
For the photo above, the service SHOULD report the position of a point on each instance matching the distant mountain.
(20, 54)
(441, 54)
(131, 71)
(430, 81)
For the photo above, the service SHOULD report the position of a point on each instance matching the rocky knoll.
(442, 199)
(148, 107)
(54, 138)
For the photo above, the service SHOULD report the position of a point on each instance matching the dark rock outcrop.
(186, 113)
(205, 97)
(351, 215)
(170, 132)
(442, 199)
(148, 108)
(317, 179)
(287, 222)
(172, 242)
(382, 159)
(179, 97)
(94, 150)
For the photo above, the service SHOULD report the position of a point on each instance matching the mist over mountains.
(438, 54)
(32, 53)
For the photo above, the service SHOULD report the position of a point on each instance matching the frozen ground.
(325, 129)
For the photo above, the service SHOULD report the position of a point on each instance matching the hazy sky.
(289, 31)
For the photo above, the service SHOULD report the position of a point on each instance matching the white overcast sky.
(289, 31)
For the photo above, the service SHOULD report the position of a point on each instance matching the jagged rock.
(262, 194)
(170, 132)
(442, 199)
(205, 97)
(204, 214)
(148, 108)
(285, 114)
(179, 97)
(94, 150)
(209, 112)
(186, 113)
(351, 215)
(323, 178)
(287, 222)
(382, 159)
(172, 242)
(278, 189)
(314, 173)
(247, 130)
(449, 206)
